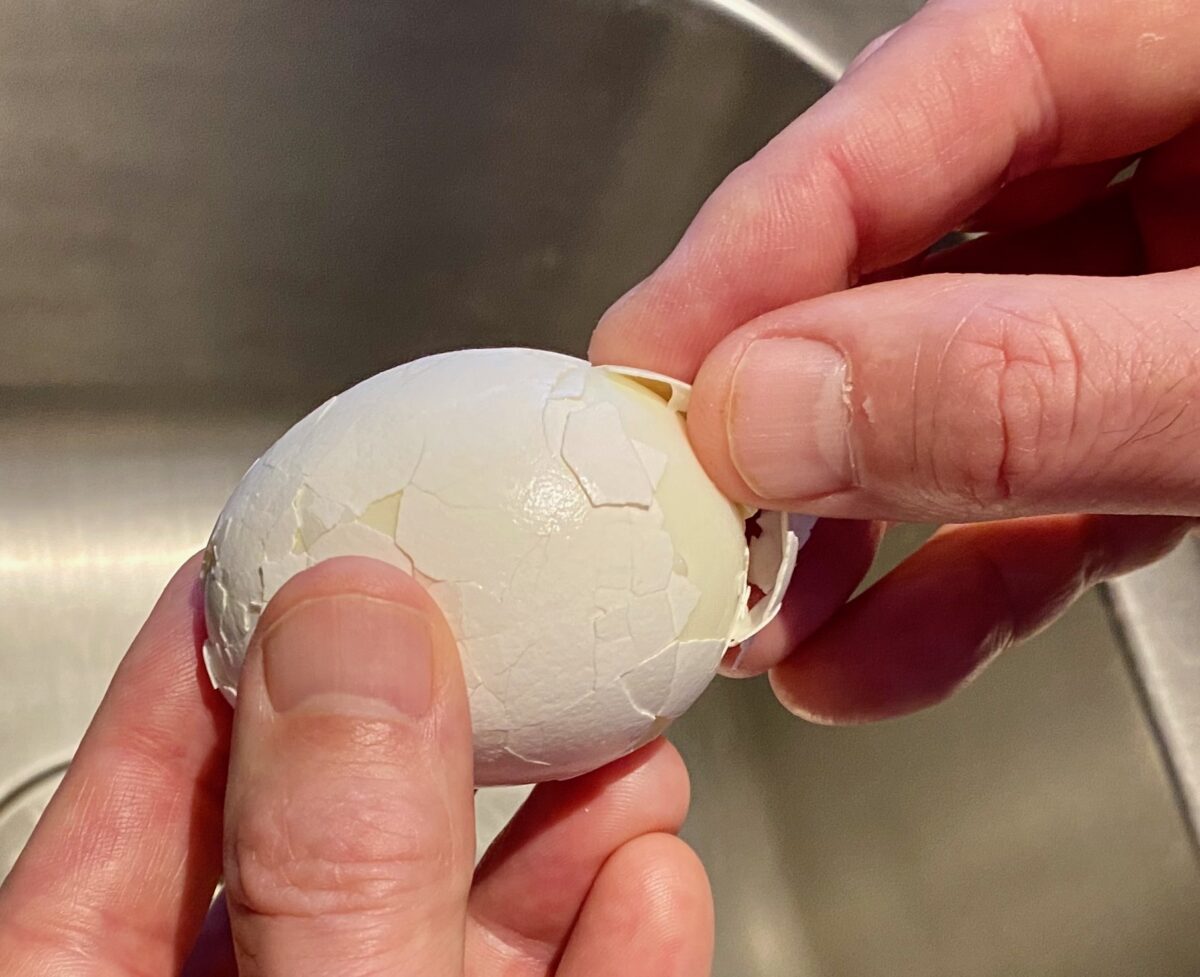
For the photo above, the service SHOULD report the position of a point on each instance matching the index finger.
(966, 97)
(120, 870)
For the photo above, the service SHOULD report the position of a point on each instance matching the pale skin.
(1048, 370)
(344, 828)
(841, 372)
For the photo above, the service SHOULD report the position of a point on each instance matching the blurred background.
(213, 214)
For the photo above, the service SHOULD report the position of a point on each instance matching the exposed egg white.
(592, 573)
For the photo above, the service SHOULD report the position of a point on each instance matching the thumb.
(953, 398)
(348, 820)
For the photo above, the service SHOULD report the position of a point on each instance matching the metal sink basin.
(212, 216)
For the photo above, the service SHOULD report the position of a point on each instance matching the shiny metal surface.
(212, 215)
(283, 196)
(1158, 615)
(1027, 826)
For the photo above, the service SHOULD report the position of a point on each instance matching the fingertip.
(856, 670)
(349, 814)
(669, 321)
(641, 330)
(660, 764)
(650, 787)
(151, 766)
(624, 338)
(349, 575)
(676, 888)
(179, 610)
(709, 417)
(536, 875)
(651, 906)
(166, 656)
(187, 576)
(352, 625)
(795, 698)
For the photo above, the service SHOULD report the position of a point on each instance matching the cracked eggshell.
(591, 572)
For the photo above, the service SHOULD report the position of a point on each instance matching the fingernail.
(789, 419)
(352, 653)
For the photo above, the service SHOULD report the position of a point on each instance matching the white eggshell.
(591, 572)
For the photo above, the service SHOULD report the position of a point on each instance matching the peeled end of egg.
(770, 556)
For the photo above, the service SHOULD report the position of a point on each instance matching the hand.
(347, 820)
(952, 387)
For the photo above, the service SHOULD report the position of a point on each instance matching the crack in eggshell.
(571, 384)
(511, 484)
(451, 542)
(523, 760)
(361, 540)
(654, 678)
(382, 513)
(492, 713)
(699, 656)
(653, 562)
(654, 462)
(616, 729)
(682, 597)
(315, 515)
(596, 448)
(554, 422)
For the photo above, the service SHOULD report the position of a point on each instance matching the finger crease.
(1041, 146)
(855, 220)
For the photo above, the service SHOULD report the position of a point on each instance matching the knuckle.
(352, 843)
(1006, 405)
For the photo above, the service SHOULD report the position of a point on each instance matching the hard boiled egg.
(592, 573)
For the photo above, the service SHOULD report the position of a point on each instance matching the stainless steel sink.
(213, 215)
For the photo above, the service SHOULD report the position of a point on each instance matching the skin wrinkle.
(852, 415)
(915, 400)
(1191, 322)
(112, 956)
(854, 223)
(380, 736)
(938, 396)
(1078, 375)
(1056, 326)
(516, 946)
(1146, 432)
(382, 914)
(1039, 434)
(1061, 352)
(947, 80)
(1144, 429)
(1045, 143)
(273, 875)
(1017, 621)
(1001, 484)
(1116, 383)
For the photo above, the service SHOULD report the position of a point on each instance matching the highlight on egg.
(592, 573)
